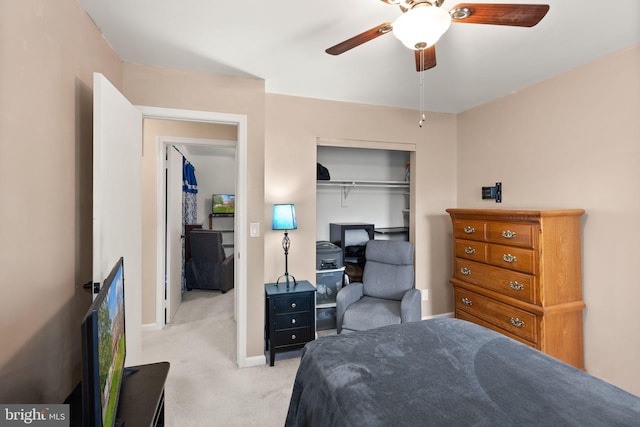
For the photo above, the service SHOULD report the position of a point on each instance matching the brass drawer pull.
(293, 305)
(516, 286)
(469, 250)
(508, 234)
(293, 321)
(517, 322)
(468, 229)
(467, 301)
(465, 271)
(293, 337)
(509, 258)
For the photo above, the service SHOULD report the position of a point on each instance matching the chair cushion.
(388, 272)
(390, 252)
(369, 313)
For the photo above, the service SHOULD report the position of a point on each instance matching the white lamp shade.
(284, 217)
(421, 25)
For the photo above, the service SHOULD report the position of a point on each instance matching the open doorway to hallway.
(211, 148)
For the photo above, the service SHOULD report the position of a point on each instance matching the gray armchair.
(208, 267)
(387, 294)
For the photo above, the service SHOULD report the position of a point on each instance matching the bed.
(447, 372)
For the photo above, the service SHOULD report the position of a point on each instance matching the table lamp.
(284, 218)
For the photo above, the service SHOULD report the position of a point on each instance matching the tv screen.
(103, 351)
(223, 204)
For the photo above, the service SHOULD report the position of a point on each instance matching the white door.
(117, 154)
(174, 240)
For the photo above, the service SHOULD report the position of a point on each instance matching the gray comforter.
(447, 372)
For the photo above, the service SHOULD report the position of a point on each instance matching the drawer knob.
(468, 229)
(508, 234)
(509, 258)
(465, 271)
(293, 337)
(517, 322)
(467, 301)
(469, 250)
(293, 305)
(293, 321)
(516, 286)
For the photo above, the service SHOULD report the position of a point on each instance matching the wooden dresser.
(519, 272)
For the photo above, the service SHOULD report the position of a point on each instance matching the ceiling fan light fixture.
(422, 26)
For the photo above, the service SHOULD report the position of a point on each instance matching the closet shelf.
(363, 183)
(349, 184)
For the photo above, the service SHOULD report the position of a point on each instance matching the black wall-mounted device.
(493, 192)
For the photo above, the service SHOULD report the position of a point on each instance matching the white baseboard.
(437, 316)
(150, 327)
(254, 361)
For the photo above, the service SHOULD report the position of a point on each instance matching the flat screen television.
(104, 351)
(223, 204)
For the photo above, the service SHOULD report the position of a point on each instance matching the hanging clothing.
(189, 182)
(189, 205)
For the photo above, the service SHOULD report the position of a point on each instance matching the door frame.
(241, 243)
(162, 145)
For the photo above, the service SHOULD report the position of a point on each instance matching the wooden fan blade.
(517, 15)
(360, 39)
(428, 60)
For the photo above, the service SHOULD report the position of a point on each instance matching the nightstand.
(289, 316)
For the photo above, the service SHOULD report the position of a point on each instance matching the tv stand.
(141, 400)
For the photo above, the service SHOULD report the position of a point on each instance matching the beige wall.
(293, 126)
(574, 142)
(160, 87)
(153, 129)
(571, 141)
(48, 52)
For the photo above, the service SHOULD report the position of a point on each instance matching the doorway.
(215, 170)
(240, 270)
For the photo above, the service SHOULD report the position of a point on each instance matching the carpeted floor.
(205, 387)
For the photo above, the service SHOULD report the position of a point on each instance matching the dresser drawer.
(507, 233)
(511, 319)
(506, 282)
(469, 249)
(292, 336)
(460, 314)
(469, 229)
(519, 259)
(292, 303)
(292, 320)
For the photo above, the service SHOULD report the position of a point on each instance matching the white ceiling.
(283, 42)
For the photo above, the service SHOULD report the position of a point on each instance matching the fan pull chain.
(422, 116)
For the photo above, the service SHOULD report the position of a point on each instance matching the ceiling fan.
(424, 21)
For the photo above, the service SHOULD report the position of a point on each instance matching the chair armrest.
(347, 296)
(411, 306)
(226, 274)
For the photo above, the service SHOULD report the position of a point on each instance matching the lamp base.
(287, 280)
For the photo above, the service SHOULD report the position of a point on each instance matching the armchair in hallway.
(208, 267)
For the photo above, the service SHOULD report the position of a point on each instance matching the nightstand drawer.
(292, 336)
(292, 303)
(292, 320)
